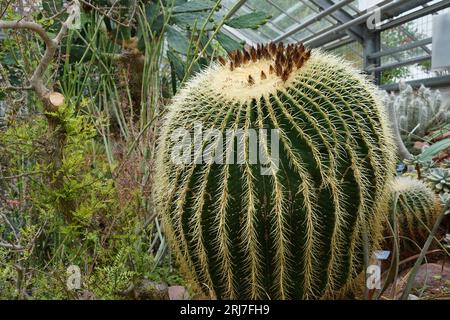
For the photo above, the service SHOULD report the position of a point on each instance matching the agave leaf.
(151, 12)
(194, 6)
(251, 21)
(440, 132)
(189, 20)
(177, 63)
(430, 152)
(227, 42)
(177, 40)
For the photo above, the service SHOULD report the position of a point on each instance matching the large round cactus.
(417, 210)
(296, 227)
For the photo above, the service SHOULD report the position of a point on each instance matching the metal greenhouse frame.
(333, 24)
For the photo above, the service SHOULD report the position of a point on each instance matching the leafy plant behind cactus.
(298, 233)
(417, 210)
(422, 109)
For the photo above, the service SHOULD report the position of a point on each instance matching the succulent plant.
(418, 208)
(298, 232)
(428, 165)
(439, 179)
(446, 164)
(445, 201)
(422, 110)
(421, 167)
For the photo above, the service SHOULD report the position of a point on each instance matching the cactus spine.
(417, 209)
(298, 233)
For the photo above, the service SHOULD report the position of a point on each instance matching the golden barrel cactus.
(296, 232)
(417, 210)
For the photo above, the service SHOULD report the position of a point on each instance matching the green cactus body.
(297, 233)
(417, 210)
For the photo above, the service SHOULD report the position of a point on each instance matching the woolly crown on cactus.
(418, 208)
(300, 232)
(422, 109)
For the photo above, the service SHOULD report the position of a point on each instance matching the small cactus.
(422, 110)
(439, 180)
(299, 232)
(418, 207)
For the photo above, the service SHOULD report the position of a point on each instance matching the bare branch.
(27, 25)
(11, 246)
(13, 88)
(25, 174)
(36, 80)
(6, 220)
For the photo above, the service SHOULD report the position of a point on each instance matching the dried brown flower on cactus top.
(262, 66)
(281, 57)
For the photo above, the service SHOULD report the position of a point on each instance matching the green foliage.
(228, 43)
(251, 20)
(434, 150)
(195, 6)
(102, 238)
(111, 279)
(177, 40)
(184, 24)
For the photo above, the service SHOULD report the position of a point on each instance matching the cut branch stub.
(56, 99)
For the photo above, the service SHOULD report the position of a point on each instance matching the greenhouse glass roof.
(343, 26)
(288, 16)
(306, 20)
